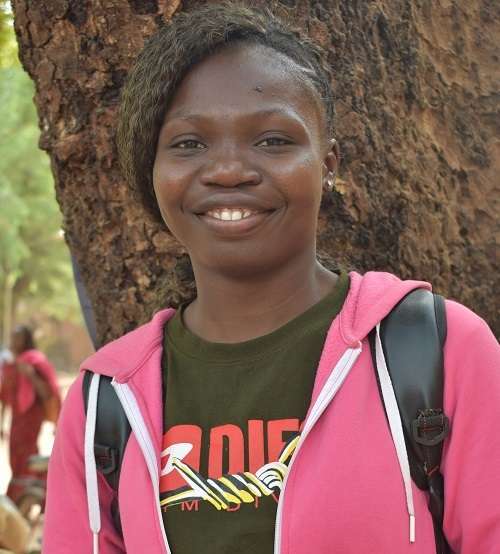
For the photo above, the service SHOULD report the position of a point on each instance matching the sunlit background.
(36, 280)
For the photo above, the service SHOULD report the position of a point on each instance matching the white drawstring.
(393, 416)
(330, 388)
(90, 466)
(396, 428)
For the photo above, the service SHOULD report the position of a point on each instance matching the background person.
(29, 387)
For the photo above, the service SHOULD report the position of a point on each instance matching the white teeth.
(228, 214)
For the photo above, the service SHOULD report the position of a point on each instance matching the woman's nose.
(229, 173)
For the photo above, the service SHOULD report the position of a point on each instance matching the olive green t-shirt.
(232, 417)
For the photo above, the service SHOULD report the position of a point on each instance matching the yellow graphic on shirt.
(230, 489)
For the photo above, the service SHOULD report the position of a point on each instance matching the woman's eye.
(274, 141)
(189, 144)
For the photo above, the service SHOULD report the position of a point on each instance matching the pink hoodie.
(345, 491)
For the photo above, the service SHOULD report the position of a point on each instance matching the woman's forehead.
(245, 77)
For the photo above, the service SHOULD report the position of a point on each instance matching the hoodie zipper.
(138, 425)
(329, 390)
(141, 433)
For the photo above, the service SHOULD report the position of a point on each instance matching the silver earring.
(330, 180)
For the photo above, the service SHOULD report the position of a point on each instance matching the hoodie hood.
(371, 297)
(122, 357)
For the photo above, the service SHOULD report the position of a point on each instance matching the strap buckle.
(106, 458)
(430, 427)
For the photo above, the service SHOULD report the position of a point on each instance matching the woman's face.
(240, 162)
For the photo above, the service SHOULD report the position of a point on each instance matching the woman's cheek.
(304, 183)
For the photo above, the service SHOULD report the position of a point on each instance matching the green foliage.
(33, 254)
(8, 47)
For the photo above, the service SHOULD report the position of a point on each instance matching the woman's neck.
(229, 309)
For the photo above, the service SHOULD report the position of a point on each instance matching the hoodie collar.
(371, 297)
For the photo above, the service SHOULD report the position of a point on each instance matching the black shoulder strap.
(111, 435)
(413, 337)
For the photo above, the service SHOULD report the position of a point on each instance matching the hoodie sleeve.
(471, 455)
(66, 526)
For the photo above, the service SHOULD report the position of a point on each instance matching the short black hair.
(169, 54)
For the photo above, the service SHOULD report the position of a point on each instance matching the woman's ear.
(331, 163)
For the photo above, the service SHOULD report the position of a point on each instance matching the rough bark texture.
(417, 119)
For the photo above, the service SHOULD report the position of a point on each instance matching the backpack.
(412, 338)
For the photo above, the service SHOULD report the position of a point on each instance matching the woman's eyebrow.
(261, 114)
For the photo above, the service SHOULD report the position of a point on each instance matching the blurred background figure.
(29, 388)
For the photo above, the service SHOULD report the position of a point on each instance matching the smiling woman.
(238, 177)
(256, 420)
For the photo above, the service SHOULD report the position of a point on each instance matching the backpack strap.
(111, 435)
(412, 337)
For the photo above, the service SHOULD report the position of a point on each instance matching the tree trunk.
(415, 82)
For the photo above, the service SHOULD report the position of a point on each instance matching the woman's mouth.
(231, 214)
(234, 221)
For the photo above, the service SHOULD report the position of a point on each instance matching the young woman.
(257, 424)
(28, 387)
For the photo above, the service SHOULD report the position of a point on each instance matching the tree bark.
(416, 83)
